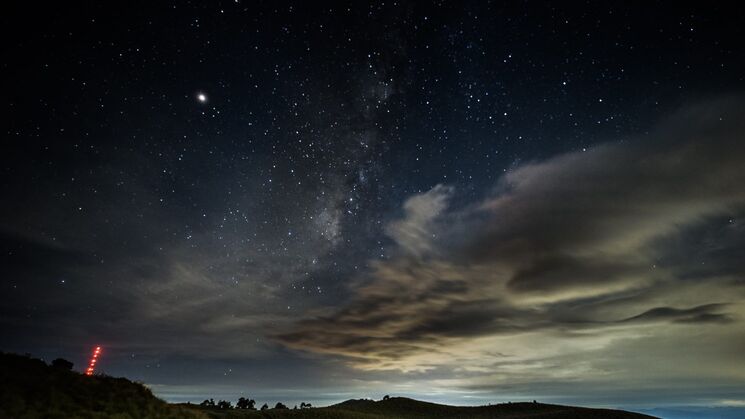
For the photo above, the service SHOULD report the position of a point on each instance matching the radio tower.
(94, 359)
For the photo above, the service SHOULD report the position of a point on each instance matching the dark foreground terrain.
(403, 408)
(29, 388)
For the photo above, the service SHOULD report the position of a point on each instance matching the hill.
(404, 408)
(408, 408)
(29, 389)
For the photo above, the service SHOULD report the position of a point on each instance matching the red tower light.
(94, 359)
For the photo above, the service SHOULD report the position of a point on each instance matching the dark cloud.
(551, 273)
(707, 313)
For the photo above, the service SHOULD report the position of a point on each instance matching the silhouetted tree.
(386, 397)
(305, 405)
(244, 403)
(224, 404)
(264, 406)
(62, 364)
(208, 403)
(279, 405)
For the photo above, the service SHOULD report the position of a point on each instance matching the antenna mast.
(94, 359)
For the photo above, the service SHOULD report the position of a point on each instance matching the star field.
(223, 194)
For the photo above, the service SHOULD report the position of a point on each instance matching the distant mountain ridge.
(401, 407)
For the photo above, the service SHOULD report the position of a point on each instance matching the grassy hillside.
(31, 389)
(403, 408)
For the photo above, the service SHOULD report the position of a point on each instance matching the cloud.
(414, 233)
(701, 314)
(23, 258)
(563, 261)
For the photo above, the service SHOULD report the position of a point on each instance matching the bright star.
(202, 97)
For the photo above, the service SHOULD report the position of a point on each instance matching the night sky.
(464, 202)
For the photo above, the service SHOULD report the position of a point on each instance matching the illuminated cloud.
(569, 260)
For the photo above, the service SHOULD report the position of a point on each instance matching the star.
(355, 156)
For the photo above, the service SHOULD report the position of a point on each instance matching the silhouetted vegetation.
(244, 403)
(62, 363)
(29, 389)
(403, 408)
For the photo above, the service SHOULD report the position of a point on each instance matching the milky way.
(462, 201)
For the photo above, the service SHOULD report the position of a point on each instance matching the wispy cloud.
(567, 260)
